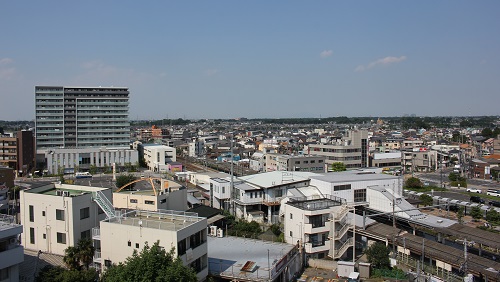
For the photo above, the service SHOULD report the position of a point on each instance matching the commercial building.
(18, 151)
(185, 232)
(351, 149)
(81, 117)
(56, 216)
(6, 182)
(11, 252)
(171, 196)
(280, 162)
(157, 156)
(82, 159)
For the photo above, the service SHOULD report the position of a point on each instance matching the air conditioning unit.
(220, 233)
(66, 193)
(213, 231)
(59, 192)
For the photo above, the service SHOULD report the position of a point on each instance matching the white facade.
(158, 156)
(185, 232)
(83, 158)
(11, 252)
(220, 193)
(196, 148)
(171, 197)
(57, 216)
(321, 225)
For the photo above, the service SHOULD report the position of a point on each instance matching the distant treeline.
(394, 122)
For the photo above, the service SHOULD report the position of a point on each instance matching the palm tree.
(85, 252)
(71, 258)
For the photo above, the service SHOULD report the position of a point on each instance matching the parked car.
(495, 203)
(474, 190)
(477, 199)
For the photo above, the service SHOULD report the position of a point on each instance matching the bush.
(413, 182)
(275, 228)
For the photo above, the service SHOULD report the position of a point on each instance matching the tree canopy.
(151, 264)
(56, 273)
(124, 179)
(426, 199)
(338, 166)
(378, 255)
(413, 182)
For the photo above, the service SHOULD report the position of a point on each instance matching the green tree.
(378, 255)
(493, 216)
(151, 264)
(71, 258)
(426, 200)
(86, 250)
(460, 214)
(93, 169)
(487, 133)
(413, 182)
(338, 166)
(57, 273)
(123, 179)
(476, 213)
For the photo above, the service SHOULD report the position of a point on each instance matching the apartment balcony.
(272, 201)
(317, 247)
(97, 257)
(96, 233)
(13, 255)
(309, 229)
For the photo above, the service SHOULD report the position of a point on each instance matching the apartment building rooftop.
(70, 190)
(163, 219)
(313, 203)
(276, 178)
(352, 176)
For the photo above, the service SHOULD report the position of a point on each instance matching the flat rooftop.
(310, 204)
(352, 176)
(228, 255)
(277, 178)
(74, 190)
(7, 222)
(163, 219)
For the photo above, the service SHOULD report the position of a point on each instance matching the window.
(32, 214)
(181, 247)
(129, 243)
(85, 234)
(291, 216)
(360, 195)
(43, 213)
(278, 193)
(137, 245)
(149, 202)
(61, 238)
(133, 201)
(85, 213)
(32, 235)
(44, 236)
(320, 161)
(60, 215)
(223, 189)
(4, 273)
(107, 263)
(342, 187)
(291, 234)
(313, 162)
(163, 201)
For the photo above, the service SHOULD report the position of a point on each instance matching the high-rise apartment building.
(81, 117)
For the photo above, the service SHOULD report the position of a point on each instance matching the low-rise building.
(56, 216)
(281, 162)
(11, 252)
(184, 232)
(157, 156)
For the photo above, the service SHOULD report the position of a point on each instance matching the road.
(435, 179)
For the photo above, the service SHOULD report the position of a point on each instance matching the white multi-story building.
(81, 117)
(281, 162)
(158, 156)
(56, 216)
(185, 232)
(320, 224)
(220, 193)
(11, 252)
(196, 148)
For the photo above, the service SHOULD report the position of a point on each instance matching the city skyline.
(257, 59)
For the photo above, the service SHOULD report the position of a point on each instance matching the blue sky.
(227, 59)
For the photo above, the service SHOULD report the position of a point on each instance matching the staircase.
(104, 204)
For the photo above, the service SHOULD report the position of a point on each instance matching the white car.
(473, 190)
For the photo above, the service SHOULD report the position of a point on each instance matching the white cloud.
(5, 61)
(383, 61)
(326, 54)
(211, 72)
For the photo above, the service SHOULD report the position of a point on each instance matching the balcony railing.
(97, 257)
(96, 233)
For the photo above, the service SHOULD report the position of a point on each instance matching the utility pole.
(233, 208)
